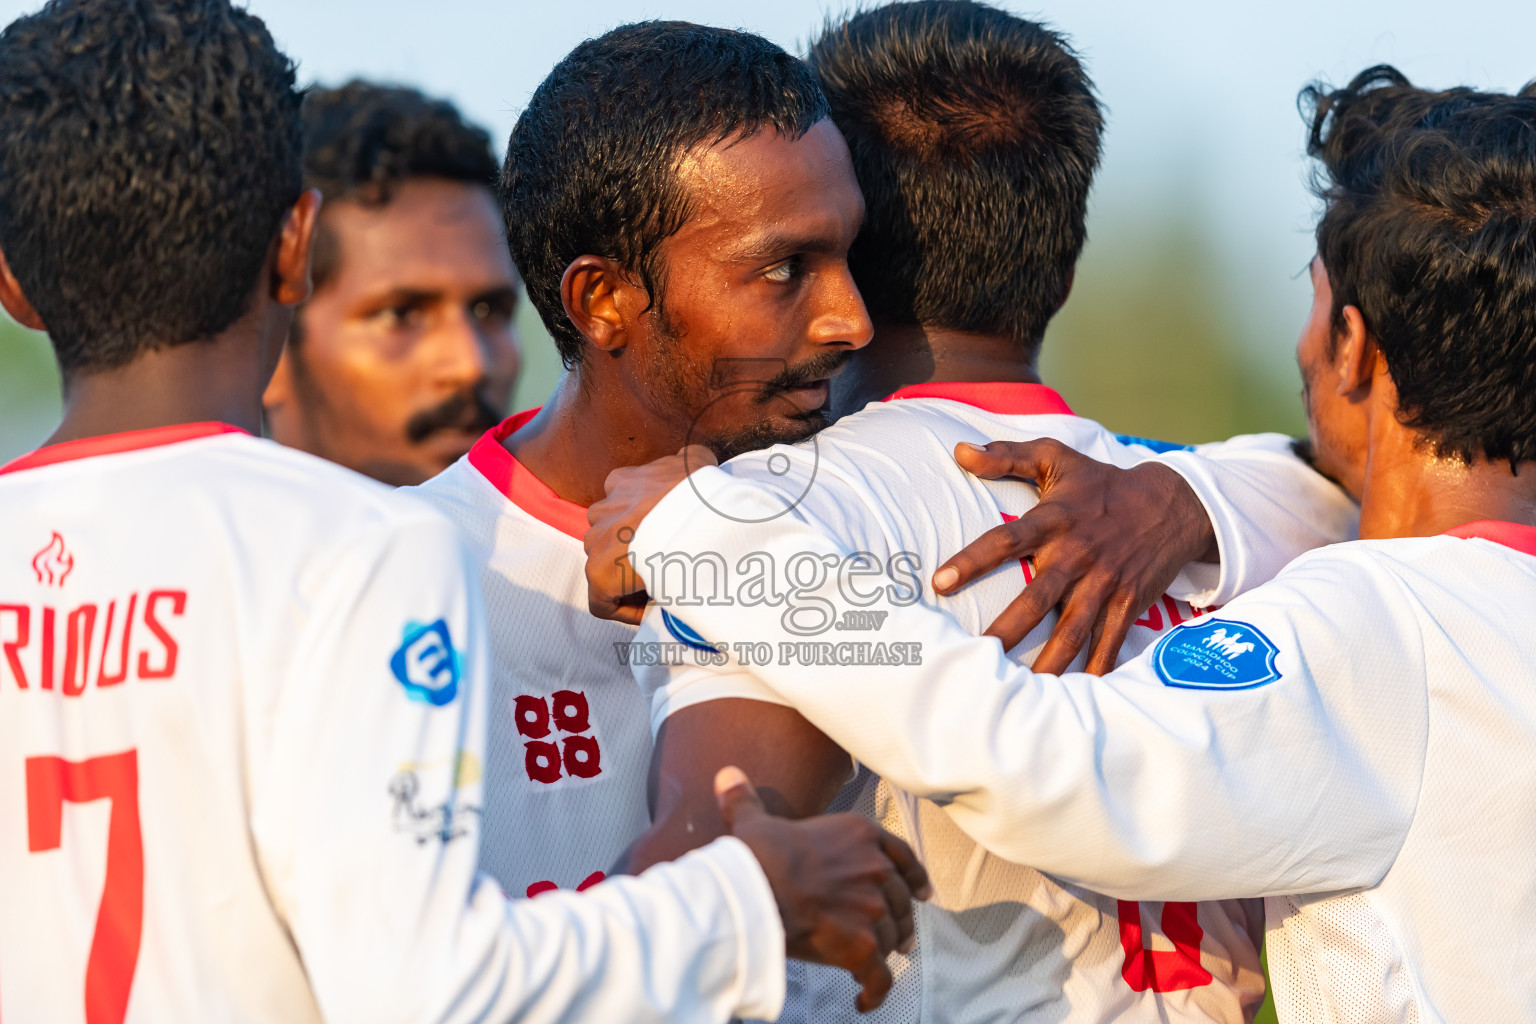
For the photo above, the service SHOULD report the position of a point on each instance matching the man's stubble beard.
(688, 389)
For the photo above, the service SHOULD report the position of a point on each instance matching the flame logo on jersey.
(53, 563)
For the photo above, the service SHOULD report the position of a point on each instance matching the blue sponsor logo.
(685, 633)
(1216, 654)
(1160, 447)
(427, 665)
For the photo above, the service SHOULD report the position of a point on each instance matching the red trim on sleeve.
(1008, 399)
(112, 444)
(1512, 535)
(515, 480)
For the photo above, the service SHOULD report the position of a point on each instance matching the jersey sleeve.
(366, 818)
(1279, 755)
(676, 668)
(1266, 506)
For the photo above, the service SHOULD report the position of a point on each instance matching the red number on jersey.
(1163, 970)
(52, 782)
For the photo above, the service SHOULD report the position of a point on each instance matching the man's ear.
(295, 250)
(1355, 355)
(14, 301)
(600, 301)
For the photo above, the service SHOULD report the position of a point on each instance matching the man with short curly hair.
(406, 352)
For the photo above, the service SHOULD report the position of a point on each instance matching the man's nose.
(459, 351)
(844, 321)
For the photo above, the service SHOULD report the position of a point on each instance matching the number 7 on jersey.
(52, 782)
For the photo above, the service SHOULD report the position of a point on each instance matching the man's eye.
(784, 273)
(481, 310)
(395, 317)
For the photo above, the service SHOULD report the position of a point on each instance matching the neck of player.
(1408, 491)
(220, 379)
(587, 430)
(901, 355)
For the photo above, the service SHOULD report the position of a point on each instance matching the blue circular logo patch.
(1216, 654)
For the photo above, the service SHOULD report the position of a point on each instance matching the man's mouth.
(808, 386)
(809, 397)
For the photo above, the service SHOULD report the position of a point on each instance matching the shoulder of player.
(1361, 580)
(342, 501)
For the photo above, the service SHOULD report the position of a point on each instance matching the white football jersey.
(569, 746)
(1354, 741)
(241, 752)
(998, 942)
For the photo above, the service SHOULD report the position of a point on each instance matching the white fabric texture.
(545, 824)
(1386, 760)
(296, 714)
(1000, 942)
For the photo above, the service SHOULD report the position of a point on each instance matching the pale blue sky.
(1201, 95)
(1202, 124)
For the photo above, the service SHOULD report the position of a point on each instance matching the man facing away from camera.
(242, 689)
(405, 353)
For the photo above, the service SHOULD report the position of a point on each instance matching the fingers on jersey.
(844, 885)
(1102, 543)
(614, 590)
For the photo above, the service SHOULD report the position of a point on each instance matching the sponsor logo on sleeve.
(685, 633)
(1216, 654)
(427, 665)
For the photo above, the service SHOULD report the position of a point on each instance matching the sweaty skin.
(755, 286)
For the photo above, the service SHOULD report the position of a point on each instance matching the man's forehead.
(429, 232)
(769, 182)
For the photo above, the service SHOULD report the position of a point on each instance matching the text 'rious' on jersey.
(69, 648)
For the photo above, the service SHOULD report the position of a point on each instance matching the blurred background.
(1191, 290)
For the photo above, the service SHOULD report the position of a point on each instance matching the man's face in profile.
(759, 310)
(406, 353)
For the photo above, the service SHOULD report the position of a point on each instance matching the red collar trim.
(112, 444)
(509, 476)
(1512, 535)
(1012, 399)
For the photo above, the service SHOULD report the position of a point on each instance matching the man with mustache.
(406, 352)
(243, 688)
(681, 209)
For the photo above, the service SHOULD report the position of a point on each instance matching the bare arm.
(796, 768)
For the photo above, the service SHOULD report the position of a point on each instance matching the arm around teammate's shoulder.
(1274, 747)
(366, 805)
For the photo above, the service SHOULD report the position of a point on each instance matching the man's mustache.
(467, 411)
(814, 369)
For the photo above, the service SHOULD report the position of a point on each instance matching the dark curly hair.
(591, 165)
(363, 139)
(975, 135)
(149, 150)
(1429, 229)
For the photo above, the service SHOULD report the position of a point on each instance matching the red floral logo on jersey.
(576, 754)
(53, 563)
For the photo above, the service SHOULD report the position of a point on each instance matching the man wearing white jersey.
(758, 206)
(243, 689)
(1347, 741)
(958, 327)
